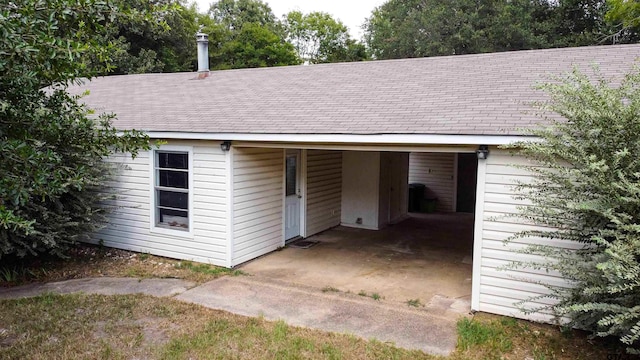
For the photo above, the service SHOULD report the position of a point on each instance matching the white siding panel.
(130, 224)
(324, 190)
(436, 171)
(501, 289)
(258, 197)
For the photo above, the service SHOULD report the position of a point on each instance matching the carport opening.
(420, 255)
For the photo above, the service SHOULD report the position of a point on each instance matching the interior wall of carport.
(447, 177)
(374, 188)
(257, 187)
(438, 172)
(257, 206)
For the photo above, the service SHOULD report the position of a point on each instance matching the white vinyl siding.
(130, 225)
(436, 171)
(500, 290)
(258, 195)
(324, 190)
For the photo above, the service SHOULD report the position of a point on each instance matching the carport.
(425, 257)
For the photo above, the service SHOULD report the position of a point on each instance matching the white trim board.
(477, 235)
(303, 192)
(388, 139)
(359, 147)
(230, 200)
(153, 228)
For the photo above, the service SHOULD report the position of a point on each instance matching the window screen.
(172, 189)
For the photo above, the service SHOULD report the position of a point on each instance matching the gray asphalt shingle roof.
(484, 94)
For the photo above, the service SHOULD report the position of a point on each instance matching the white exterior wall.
(130, 226)
(360, 188)
(394, 187)
(324, 190)
(258, 202)
(436, 170)
(497, 291)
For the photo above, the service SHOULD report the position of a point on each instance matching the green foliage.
(319, 38)
(52, 175)
(233, 14)
(254, 46)
(164, 45)
(246, 34)
(586, 193)
(624, 17)
(415, 28)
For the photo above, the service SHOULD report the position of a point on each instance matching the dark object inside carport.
(416, 194)
(428, 204)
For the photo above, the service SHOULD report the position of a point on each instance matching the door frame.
(302, 189)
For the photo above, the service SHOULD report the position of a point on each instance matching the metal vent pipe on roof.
(202, 40)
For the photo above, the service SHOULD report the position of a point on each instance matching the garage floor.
(426, 257)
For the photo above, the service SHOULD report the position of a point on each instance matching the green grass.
(490, 335)
(374, 296)
(414, 303)
(207, 269)
(140, 326)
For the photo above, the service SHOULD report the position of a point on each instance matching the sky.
(352, 13)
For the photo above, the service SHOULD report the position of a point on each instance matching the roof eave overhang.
(387, 139)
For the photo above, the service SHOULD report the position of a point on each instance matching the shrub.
(52, 178)
(587, 191)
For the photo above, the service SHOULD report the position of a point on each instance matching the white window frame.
(154, 228)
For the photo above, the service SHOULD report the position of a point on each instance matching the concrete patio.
(426, 257)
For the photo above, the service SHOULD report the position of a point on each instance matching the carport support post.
(303, 192)
(477, 235)
(230, 199)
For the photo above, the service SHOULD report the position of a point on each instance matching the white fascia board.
(346, 138)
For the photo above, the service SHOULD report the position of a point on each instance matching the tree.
(586, 192)
(577, 23)
(319, 38)
(415, 28)
(255, 46)
(145, 46)
(245, 33)
(52, 177)
(624, 18)
(233, 14)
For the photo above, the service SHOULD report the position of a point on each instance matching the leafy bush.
(52, 177)
(587, 192)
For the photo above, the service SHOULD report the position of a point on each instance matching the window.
(292, 172)
(171, 189)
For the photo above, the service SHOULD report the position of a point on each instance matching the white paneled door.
(293, 196)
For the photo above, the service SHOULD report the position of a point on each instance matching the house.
(255, 157)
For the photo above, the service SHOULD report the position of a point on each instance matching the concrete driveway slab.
(429, 331)
(424, 256)
(103, 286)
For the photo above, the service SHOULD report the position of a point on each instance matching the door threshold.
(295, 238)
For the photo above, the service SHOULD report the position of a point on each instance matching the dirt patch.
(7, 338)
(94, 261)
(154, 331)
